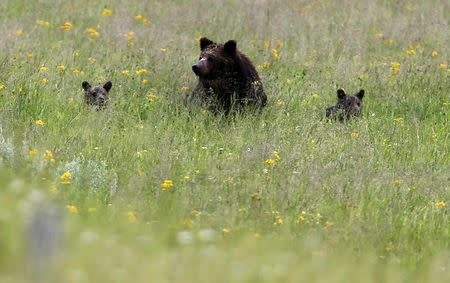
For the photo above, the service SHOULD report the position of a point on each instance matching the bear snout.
(196, 69)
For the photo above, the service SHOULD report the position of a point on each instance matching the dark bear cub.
(227, 78)
(347, 105)
(97, 96)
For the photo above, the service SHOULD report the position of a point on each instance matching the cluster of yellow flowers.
(166, 185)
(66, 26)
(144, 20)
(65, 178)
(92, 32)
(42, 23)
(106, 12)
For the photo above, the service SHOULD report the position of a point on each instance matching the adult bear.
(227, 78)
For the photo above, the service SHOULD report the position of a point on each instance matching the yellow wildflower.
(395, 64)
(91, 59)
(65, 178)
(19, 32)
(30, 55)
(131, 216)
(42, 23)
(389, 247)
(443, 66)
(92, 32)
(187, 177)
(144, 82)
(62, 67)
(47, 155)
(187, 221)
(266, 65)
(441, 203)
(270, 161)
(185, 88)
(106, 12)
(434, 135)
(276, 155)
(279, 43)
(328, 224)
(2, 87)
(411, 52)
(434, 53)
(146, 21)
(43, 68)
(138, 17)
(275, 53)
(44, 80)
(53, 190)
(379, 35)
(140, 172)
(355, 135)
(196, 212)
(388, 41)
(126, 72)
(66, 26)
(72, 208)
(40, 122)
(32, 152)
(398, 119)
(398, 181)
(141, 71)
(288, 81)
(266, 43)
(163, 49)
(407, 8)
(225, 230)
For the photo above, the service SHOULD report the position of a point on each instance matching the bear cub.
(97, 96)
(347, 106)
(227, 78)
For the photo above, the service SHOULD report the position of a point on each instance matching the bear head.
(216, 60)
(348, 105)
(97, 96)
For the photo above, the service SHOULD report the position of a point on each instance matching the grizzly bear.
(347, 106)
(227, 78)
(97, 96)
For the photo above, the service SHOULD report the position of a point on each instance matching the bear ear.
(230, 47)
(340, 93)
(360, 94)
(205, 42)
(107, 86)
(86, 85)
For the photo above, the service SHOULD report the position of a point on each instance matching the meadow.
(152, 189)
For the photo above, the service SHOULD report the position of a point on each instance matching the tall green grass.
(283, 196)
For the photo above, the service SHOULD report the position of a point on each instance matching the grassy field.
(153, 190)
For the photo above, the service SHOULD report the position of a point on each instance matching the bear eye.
(210, 59)
(200, 58)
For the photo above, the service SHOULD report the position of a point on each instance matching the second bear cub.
(348, 105)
